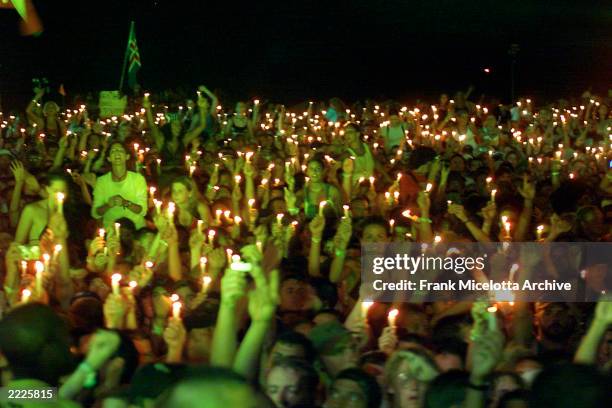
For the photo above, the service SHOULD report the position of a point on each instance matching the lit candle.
(171, 209)
(192, 169)
(227, 214)
(493, 192)
(365, 306)
(229, 254)
(259, 246)
(392, 317)
(203, 262)
(237, 220)
(211, 236)
(24, 268)
(218, 214)
(279, 218)
(322, 205)
(158, 205)
(372, 180)
(46, 259)
(392, 225)
(132, 285)
(176, 309)
(251, 203)
(200, 225)
(428, 187)
(60, 202)
(539, 231)
(115, 279)
(206, 280)
(152, 191)
(25, 295)
(56, 250)
(39, 267)
(346, 208)
(117, 230)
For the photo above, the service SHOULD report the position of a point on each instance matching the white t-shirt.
(132, 188)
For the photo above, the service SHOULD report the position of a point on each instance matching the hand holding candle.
(392, 318)
(115, 279)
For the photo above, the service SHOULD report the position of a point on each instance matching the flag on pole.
(133, 57)
(30, 23)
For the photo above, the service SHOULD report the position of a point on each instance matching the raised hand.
(18, 171)
(114, 311)
(265, 297)
(458, 211)
(175, 334)
(316, 226)
(102, 346)
(344, 233)
(387, 342)
(527, 190)
(489, 211)
(290, 198)
(233, 287)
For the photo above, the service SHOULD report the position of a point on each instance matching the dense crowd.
(184, 254)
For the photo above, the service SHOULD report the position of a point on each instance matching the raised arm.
(157, 134)
(194, 133)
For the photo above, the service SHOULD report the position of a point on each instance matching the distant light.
(487, 70)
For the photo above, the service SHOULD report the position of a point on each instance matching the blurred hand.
(458, 211)
(114, 311)
(101, 347)
(387, 342)
(233, 287)
(175, 334)
(18, 171)
(316, 226)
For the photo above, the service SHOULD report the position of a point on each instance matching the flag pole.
(125, 58)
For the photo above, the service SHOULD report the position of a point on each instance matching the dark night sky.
(294, 50)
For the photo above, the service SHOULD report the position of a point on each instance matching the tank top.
(363, 165)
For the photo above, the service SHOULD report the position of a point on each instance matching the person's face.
(443, 99)
(117, 155)
(293, 295)
(556, 322)
(359, 208)
(198, 344)
(408, 391)
(283, 387)
(448, 361)
(123, 131)
(279, 207)
(314, 171)
(457, 164)
(180, 193)
(241, 108)
(462, 119)
(414, 323)
(346, 394)
(50, 109)
(512, 159)
(282, 350)
(57, 186)
(490, 122)
(374, 233)
(351, 135)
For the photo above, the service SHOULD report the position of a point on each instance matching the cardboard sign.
(112, 104)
